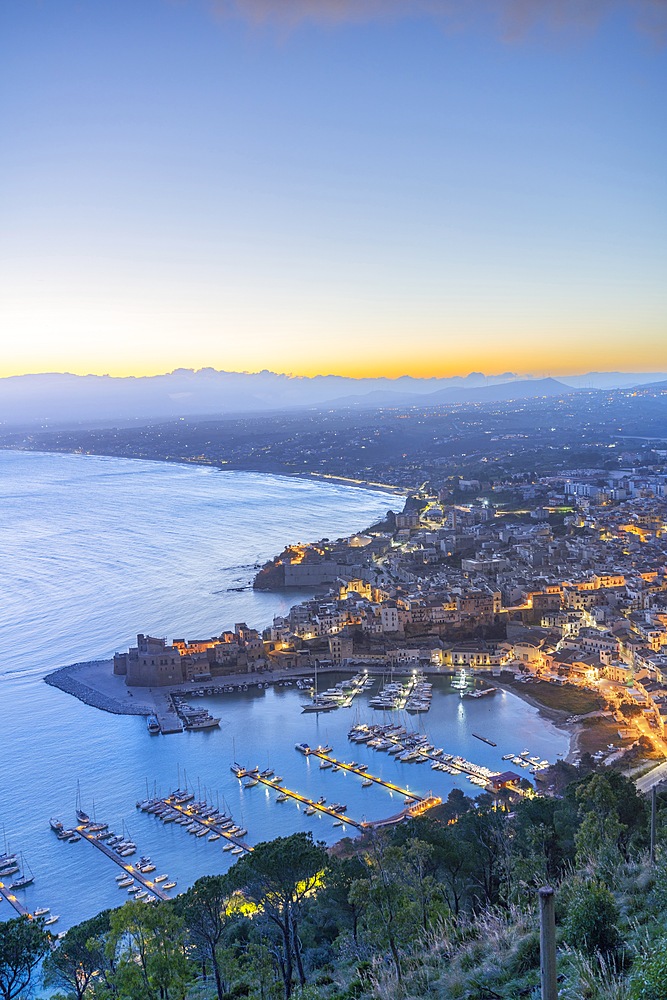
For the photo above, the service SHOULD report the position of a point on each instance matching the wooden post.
(548, 944)
(654, 792)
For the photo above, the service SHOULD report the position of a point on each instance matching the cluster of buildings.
(577, 598)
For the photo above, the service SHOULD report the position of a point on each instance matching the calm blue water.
(93, 550)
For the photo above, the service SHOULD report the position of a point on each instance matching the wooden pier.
(7, 894)
(145, 880)
(319, 806)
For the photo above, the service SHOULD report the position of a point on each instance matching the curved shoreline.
(363, 484)
(94, 683)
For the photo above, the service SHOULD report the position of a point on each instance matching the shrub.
(592, 915)
(649, 978)
(526, 955)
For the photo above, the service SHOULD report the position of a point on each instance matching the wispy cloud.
(512, 19)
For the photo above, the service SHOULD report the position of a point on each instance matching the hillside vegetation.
(440, 908)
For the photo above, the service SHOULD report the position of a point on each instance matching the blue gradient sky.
(184, 187)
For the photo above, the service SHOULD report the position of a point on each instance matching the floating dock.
(211, 825)
(145, 880)
(360, 772)
(319, 806)
(7, 894)
(457, 764)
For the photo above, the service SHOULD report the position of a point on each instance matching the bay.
(94, 550)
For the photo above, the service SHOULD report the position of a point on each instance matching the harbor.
(337, 813)
(275, 722)
(133, 872)
(197, 818)
(361, 771)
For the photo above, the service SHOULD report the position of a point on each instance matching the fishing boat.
(23, 880)
(55, 825)
(152, 725)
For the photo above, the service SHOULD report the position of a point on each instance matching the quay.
(7, 894)
(319, 806)
(360, 772)
(147, 883)
(202, 822)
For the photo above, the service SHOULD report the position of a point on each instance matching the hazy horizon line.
(540, 374)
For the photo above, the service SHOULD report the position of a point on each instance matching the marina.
(204, 819)
(337, 813)
(415, 748)
(361, 772)
(247, 517)
(132, 870)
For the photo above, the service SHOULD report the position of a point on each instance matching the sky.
(359, 187)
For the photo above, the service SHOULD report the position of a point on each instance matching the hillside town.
(569, 589)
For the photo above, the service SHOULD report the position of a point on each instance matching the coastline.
(94, 683)
(324, 477)
(557, 717)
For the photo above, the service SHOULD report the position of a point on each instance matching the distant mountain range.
(57, 399)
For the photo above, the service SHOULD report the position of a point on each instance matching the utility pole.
(548, 944)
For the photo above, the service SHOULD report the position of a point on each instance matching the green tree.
(333, 903)
(390, 916)
(207, 914)
(148, 947)
(23, 944)
(600, 829)
(278, 876)
(79, 957)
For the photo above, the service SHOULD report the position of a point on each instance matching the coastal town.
(569, 589)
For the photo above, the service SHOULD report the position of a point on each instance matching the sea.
(94, 550)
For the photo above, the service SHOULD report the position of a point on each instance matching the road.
(654, 777)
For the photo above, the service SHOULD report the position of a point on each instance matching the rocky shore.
(94, 684)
